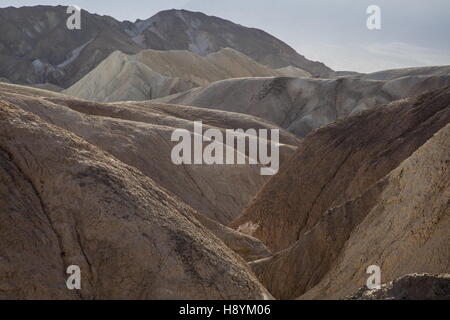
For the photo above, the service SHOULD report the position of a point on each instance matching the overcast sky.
(414, 32)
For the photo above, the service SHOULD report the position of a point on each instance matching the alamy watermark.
(374, 19)
(374, 281)
(74, 20)
(74, 280)
(237, 147)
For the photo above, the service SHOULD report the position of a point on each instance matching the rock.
(409, 287)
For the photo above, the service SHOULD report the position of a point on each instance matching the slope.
(65, 202)
(153, 74)
(302, 105)
(383, 201)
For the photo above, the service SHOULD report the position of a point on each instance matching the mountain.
(302, 105)
(152, 74)
(37, 47)
(202, 34)
(368, 190)
(349, 155)
(66, 202)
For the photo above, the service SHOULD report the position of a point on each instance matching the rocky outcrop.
(409, 287)
(153, 74)
(65, 202)
(302, 105)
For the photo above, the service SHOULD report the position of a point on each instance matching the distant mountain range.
(37, 47)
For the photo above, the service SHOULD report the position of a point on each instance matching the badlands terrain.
(301, 105)
(87, 177)
(369, 190)
(154, 74)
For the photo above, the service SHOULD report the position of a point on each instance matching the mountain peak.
(204, 34)
(38, 34)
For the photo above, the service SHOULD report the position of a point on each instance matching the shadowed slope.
(361, 217)
(339, 162)
(140, 135)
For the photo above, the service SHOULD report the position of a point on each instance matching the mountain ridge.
(43, 50)
(152, 74)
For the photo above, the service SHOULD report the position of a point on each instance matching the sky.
(413, 32)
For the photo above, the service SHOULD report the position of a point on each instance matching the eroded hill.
(302, 105)
(372, 189)
(66, 202)
(152, 74)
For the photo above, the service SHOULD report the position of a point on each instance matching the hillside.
(366, 190)
(301, 105)
(65, 201)
(203, 34)
(133, 132)
(152, 74)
